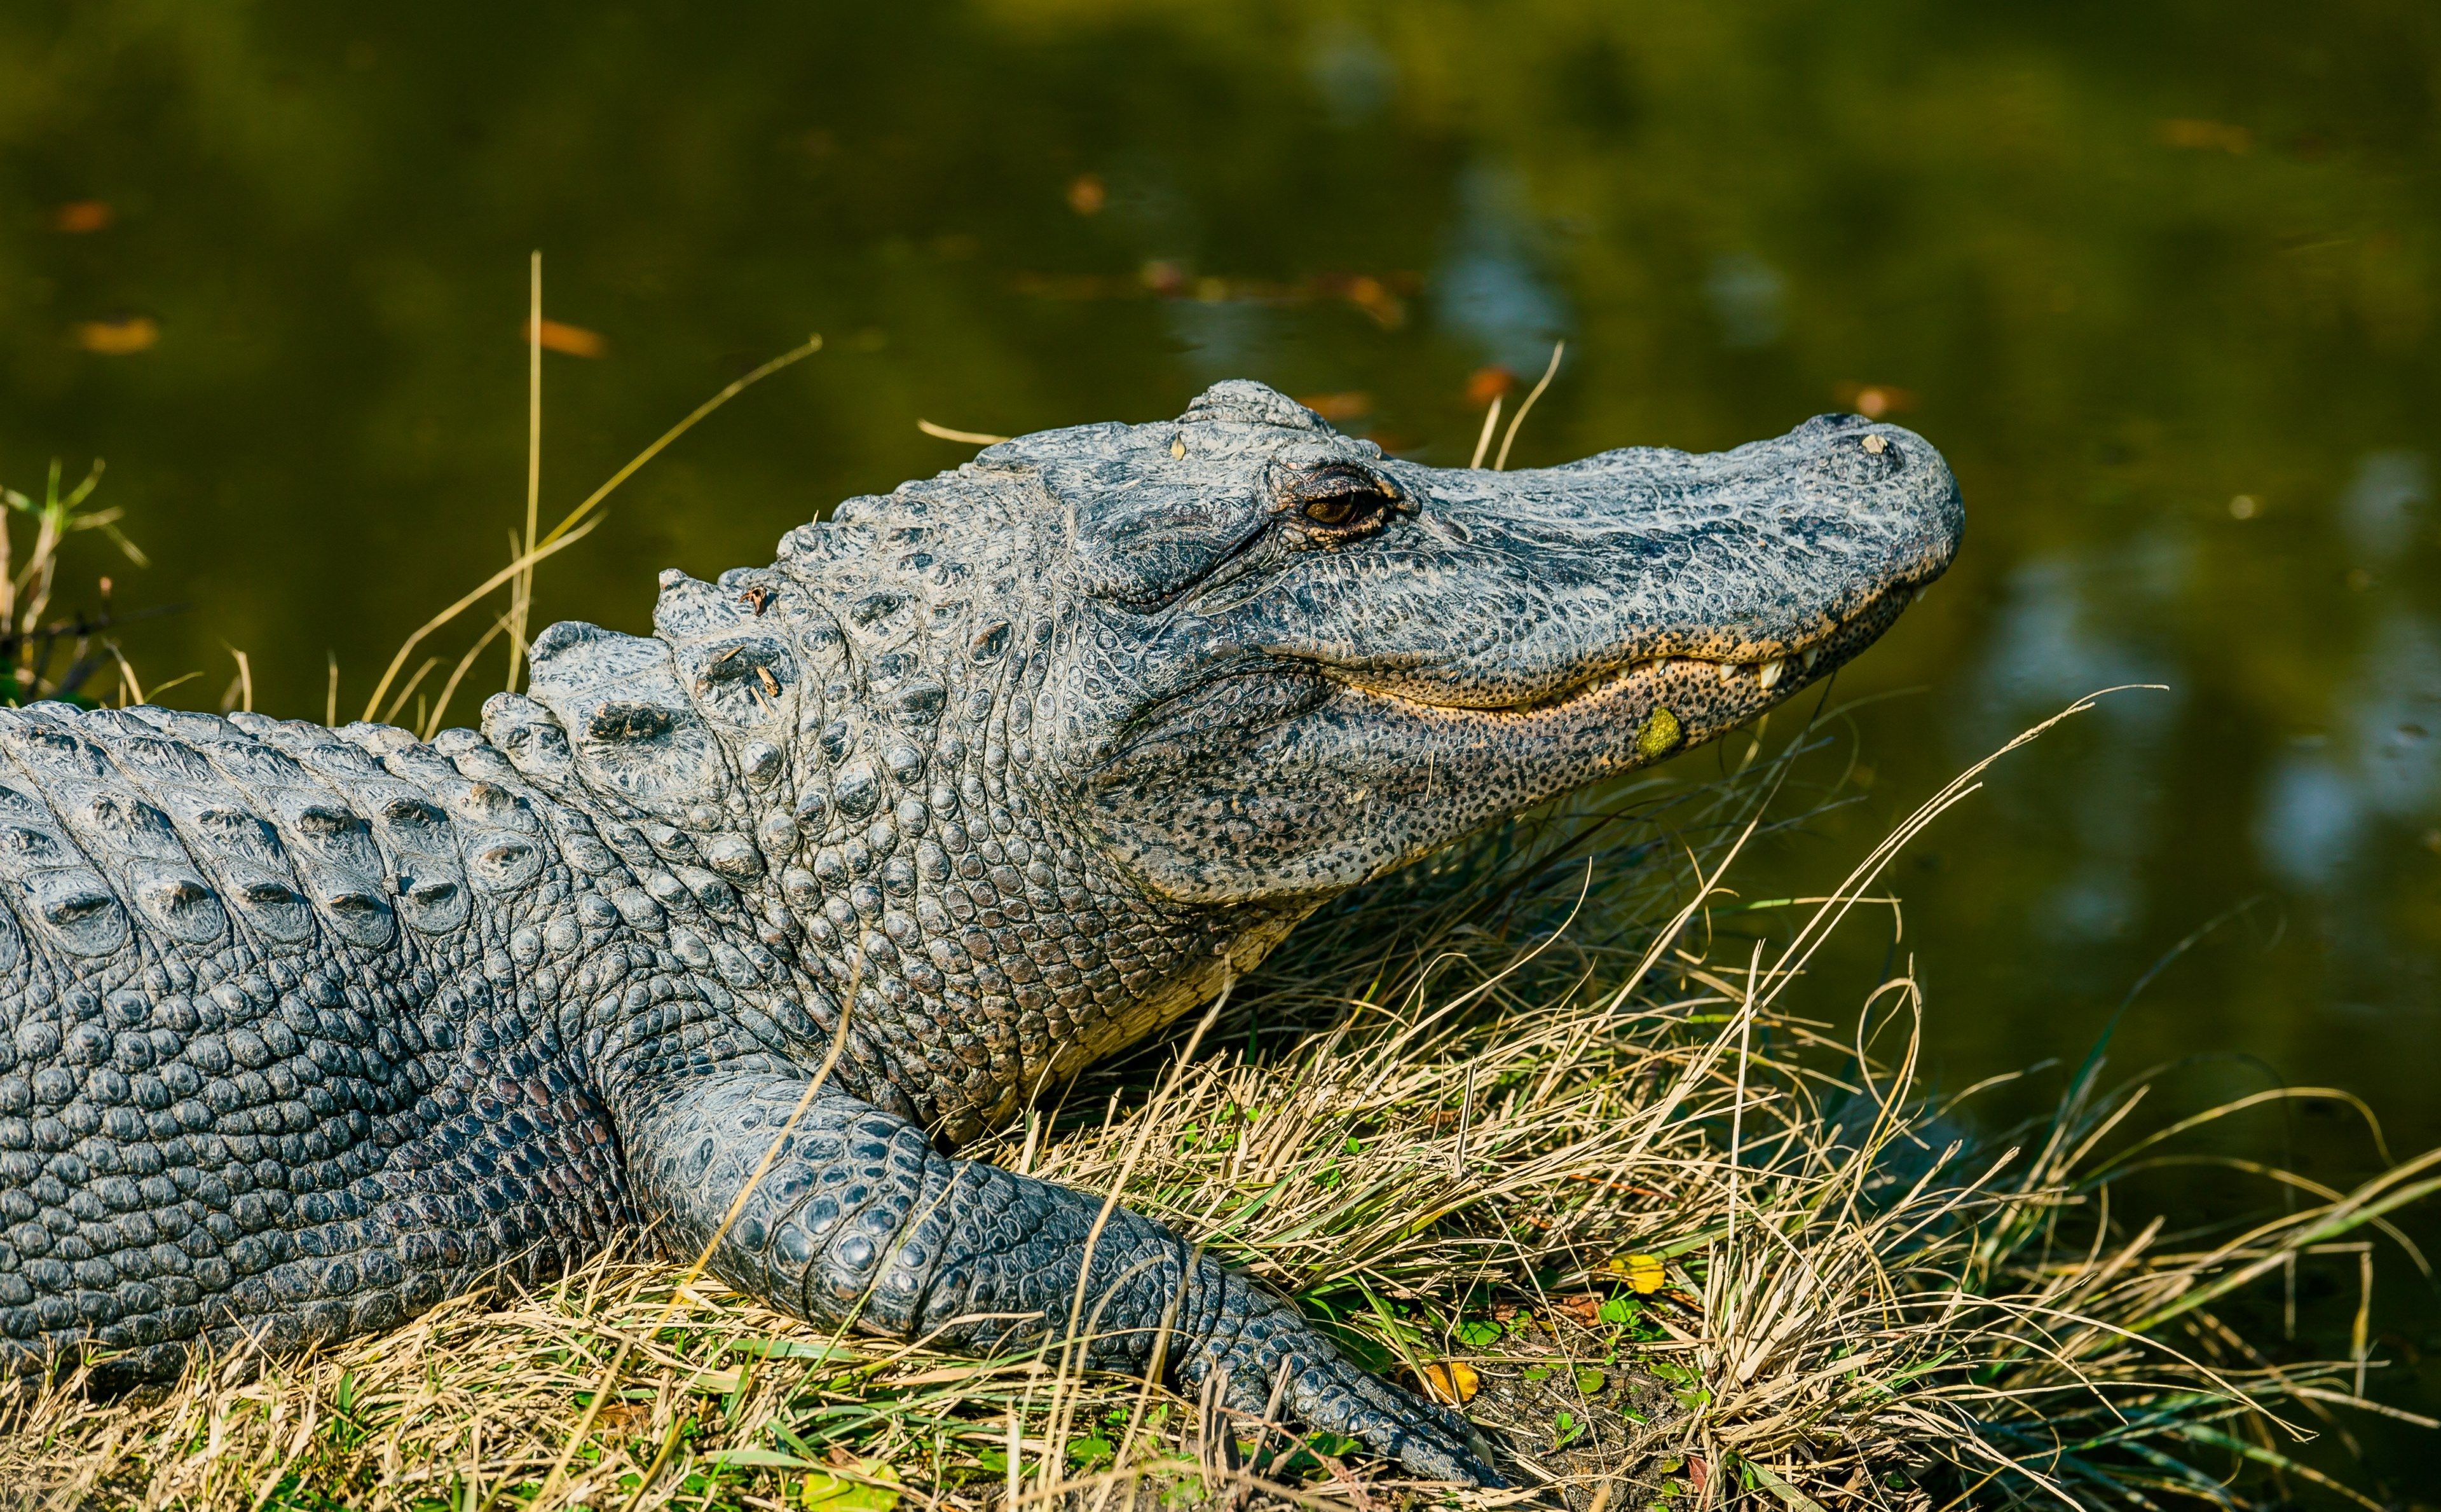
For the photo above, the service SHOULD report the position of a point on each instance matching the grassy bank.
(1556, 1124)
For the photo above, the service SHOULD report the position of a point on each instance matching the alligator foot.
(1262, 1338)
(858, 1220)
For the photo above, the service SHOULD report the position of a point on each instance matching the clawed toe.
(1427, 1438)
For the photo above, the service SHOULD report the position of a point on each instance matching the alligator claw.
(1327, 1391)
(1432, 1441)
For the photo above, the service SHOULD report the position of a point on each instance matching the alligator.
(732, 933)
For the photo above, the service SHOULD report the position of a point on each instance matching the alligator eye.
(1345, 503)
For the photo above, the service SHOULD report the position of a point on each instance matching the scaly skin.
(304, 1030)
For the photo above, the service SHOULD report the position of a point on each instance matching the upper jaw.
(1539, 587)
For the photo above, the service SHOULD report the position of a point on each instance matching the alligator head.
(1311, 664)
(1032, 742)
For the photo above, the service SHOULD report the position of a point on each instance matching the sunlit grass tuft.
(46, 657)
(1533, 1123)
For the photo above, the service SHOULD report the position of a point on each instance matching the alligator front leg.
(857, 1218)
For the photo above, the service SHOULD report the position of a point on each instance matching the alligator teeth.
(1813, 655)
(1768, 673)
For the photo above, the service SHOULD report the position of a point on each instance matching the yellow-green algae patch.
(1660, 735)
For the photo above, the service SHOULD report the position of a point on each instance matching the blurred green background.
(2160, 279)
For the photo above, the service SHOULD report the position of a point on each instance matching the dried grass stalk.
(1504, 1119)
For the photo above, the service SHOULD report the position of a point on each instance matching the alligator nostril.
(1871, 458)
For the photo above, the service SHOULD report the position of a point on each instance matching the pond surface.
(2160, 279)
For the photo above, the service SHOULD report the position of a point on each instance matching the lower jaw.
(1701, 699)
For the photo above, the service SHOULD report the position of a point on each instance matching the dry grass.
(1508, 1119)
(46, 658)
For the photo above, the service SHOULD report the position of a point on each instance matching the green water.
(2160, 279)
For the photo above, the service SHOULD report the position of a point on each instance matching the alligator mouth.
(1749, 684)
(1756, 676)
(1703, 695)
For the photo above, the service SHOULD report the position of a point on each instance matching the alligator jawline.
(1762, 675)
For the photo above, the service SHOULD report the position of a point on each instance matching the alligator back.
(261, 1066)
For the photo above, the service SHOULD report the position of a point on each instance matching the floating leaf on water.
(1354, 404)
(78, 217)
(2206, 136)
(1874, 400)
(1374, 298)
(1453, 1381)
(1087, 194)
(573, 341)
(120, 337)
(1485, 384)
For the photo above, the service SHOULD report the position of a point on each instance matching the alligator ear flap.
(631, 730)
(1248, 402)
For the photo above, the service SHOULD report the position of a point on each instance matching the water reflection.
(1488, 286)
(1349, 72)
(2379, 762)
(2063, 631)
(2385, 501)
(1747, 295)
